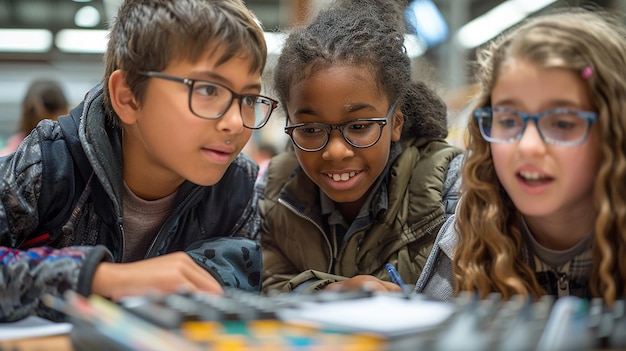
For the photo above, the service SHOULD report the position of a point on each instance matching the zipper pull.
(563, 281)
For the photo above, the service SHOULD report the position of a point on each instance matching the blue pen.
(395, 277)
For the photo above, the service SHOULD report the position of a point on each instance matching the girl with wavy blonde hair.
(543, 206)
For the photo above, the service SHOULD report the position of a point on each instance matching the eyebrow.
(348, 108)
(551, 104)
(212, 76)
(358, 107)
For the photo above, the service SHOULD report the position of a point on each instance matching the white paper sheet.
(32, 327)
(382, 314)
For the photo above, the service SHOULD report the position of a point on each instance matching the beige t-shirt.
(142, 220)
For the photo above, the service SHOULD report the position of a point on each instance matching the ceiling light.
(427, 21)
(25, 40)
(94, 41)
(87, 16)
(498, 19)
(91, 41)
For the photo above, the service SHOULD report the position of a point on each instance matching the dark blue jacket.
(61, 214)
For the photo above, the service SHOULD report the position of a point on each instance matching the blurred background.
(64, 40)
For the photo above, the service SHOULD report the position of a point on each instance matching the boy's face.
(166, 143)
(335, 95)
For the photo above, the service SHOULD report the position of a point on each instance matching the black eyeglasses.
(360, 132)
(210, 100)
(560, 126)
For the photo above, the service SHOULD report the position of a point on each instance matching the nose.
(232, 120)
(531, 141)
(337, 147)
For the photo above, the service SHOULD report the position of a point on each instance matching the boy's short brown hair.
(147, 35)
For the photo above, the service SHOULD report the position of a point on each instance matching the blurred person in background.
(44, 99)
(262, 154)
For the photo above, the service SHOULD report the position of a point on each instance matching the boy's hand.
(363, 282)
(169, 273)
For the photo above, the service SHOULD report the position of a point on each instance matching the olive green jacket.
(423, 187)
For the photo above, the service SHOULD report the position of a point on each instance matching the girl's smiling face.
(334, 95)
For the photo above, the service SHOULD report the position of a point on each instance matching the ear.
(122, 98)
(398, 123)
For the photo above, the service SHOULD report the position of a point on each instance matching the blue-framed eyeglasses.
(560, 126)
(210, 100)
(360, 132)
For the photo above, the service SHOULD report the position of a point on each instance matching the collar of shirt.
(376, 202)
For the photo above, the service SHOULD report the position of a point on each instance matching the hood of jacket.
(96, 145)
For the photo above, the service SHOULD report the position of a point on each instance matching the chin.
(207, 181)
(534, 211)
(343, 198)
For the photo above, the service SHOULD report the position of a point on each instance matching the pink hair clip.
(587, 72)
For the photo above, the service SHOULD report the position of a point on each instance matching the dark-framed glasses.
(560, 126)
(360, 132)
(210, 100)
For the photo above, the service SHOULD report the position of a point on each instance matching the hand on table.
(364, 282)
(169, 273)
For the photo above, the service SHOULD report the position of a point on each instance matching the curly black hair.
(368, 33)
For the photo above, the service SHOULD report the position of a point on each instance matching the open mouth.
(341, 177)
(534, 178)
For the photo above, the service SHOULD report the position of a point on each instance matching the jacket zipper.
(333, 260)
(428, 230)
(563, 279)
(121, 225)
(330, 247)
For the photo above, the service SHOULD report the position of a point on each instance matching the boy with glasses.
(142, 188)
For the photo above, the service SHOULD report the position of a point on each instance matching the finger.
(392, 287)
(129, 291)
(197, 276)
(203, 280)
(370, 285)
(336, 286)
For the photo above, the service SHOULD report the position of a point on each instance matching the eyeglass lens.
(358, 133)
(211, 101)
(506, 126)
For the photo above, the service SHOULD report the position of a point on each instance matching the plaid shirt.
(570, 278)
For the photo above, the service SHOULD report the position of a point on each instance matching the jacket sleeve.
(437, 278)
(279, 274)
(28, 269)
(235, 262)
(307, 281)
(27, 275)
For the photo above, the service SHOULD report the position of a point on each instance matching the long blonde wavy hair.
(489, 257)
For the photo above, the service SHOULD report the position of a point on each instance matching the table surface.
(56, 343)
(45, 343)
